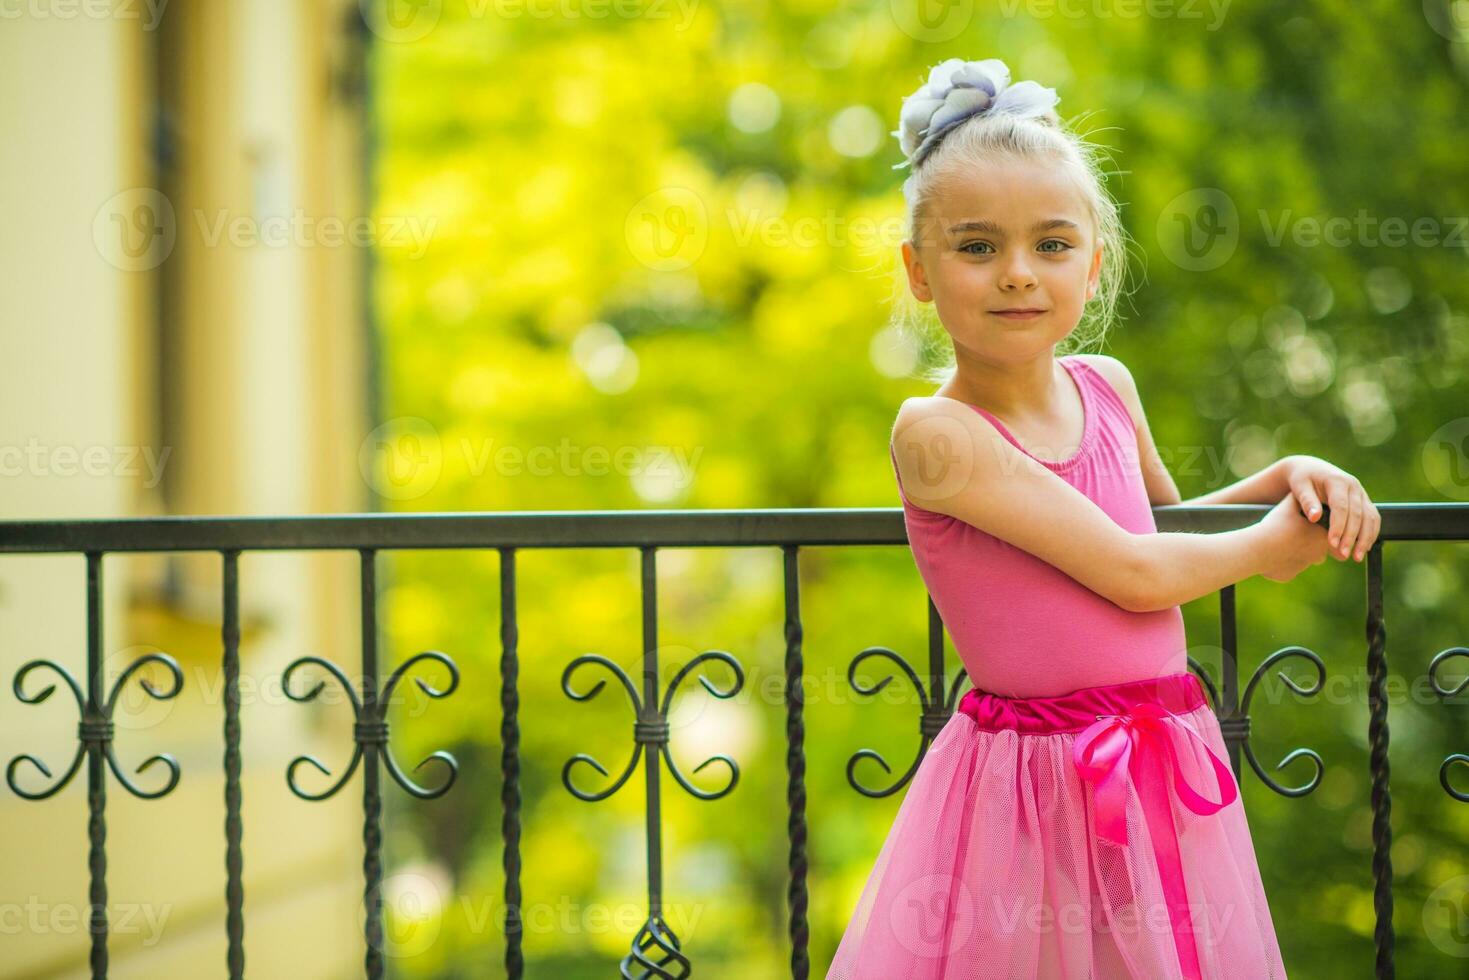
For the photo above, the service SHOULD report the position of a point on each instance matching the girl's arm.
(1264, 487)
(1354, 524)
(951, 460)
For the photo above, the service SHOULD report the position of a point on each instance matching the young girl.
(1075, 818)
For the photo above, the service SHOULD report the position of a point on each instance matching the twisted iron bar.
(1244, 718)
(95, 728)
(371, 727)
(651, 728)
(1458, 758)
(934, 714)
(1384, 938)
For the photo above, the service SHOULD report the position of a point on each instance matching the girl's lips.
(1018, 315)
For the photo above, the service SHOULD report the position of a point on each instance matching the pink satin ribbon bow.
(1103, 755)
(1137, 744)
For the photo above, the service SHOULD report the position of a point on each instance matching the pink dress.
(1076, 818)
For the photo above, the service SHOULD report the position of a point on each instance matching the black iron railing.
(655, 950)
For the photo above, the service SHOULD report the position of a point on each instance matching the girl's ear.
(1094, 277)
(917, 278)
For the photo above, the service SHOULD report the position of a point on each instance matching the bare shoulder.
(921, 409)
(1120, 378)
(930, 424)
(933, 429)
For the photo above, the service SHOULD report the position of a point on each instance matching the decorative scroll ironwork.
(1458, 758)
(95, 730)
(650, 728)
(655, 949)
(655, 952)
(1244, 719)
(1210, 691)
(371, 726)
(933, 716)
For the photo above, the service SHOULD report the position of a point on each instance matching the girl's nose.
(1017, 272)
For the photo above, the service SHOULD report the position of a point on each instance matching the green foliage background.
(544, 314)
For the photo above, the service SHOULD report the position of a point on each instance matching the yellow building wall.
(251, 401)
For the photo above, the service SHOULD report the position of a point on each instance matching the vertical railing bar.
(936, 680)
(938, 707)
(372, 804)
(94, 719)
(1377, 737)
(233, 827)
(510, 763)
(795, 704)
(96, 734)
(650, 708)
(1234, 733)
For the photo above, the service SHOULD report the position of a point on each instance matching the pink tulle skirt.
(1091, 836)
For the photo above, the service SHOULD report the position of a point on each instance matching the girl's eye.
(966, 248)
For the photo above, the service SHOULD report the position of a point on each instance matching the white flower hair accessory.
(957, 89)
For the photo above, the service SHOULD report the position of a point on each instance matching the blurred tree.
(651, 266)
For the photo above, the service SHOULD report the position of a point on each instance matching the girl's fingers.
(1369, 536)
(1341, 513)
(1354, 525)
(1310, 503)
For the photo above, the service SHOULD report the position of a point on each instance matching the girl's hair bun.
(957, 89)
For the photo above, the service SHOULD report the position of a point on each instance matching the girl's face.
(1019, 236)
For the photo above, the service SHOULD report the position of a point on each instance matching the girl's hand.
(1354, 518)
(1293, 543)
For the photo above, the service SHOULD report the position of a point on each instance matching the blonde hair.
(962, 152)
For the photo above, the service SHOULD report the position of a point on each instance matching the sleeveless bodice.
(1022, 627)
